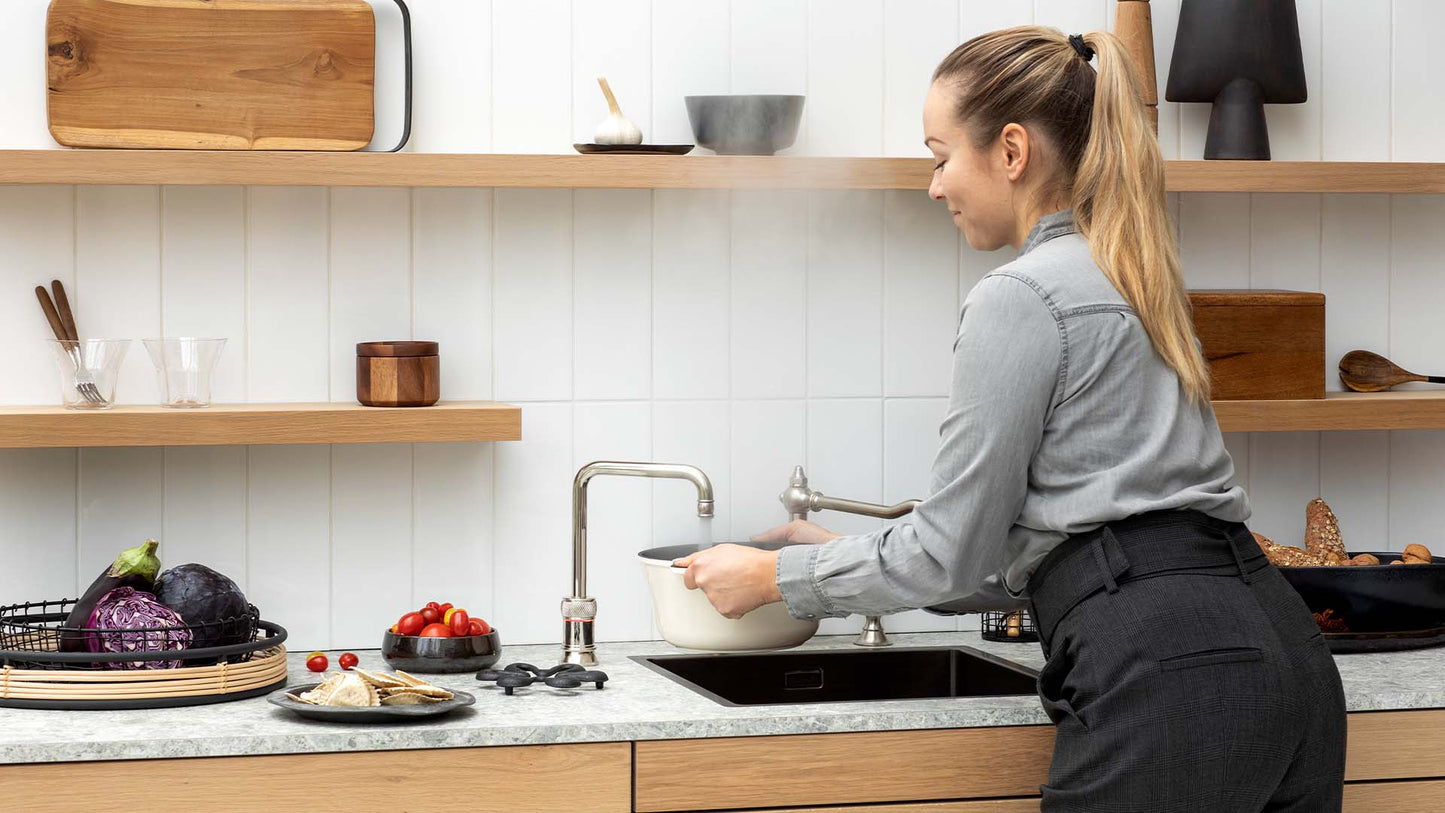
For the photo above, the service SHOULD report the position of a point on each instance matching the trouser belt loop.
(1107, 548)
(1245, 575)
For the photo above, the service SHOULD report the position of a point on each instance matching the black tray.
(1385, 601)
(1347, 642)
(635, 149)
(366, 714)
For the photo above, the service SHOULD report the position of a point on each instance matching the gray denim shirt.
(1062, 418)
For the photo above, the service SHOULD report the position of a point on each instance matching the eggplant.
(135, 568)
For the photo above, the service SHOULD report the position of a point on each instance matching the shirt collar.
(1049, 226)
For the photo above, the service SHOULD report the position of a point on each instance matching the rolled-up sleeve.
(1009, 363)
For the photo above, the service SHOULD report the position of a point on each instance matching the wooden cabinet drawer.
(988, 806)
(541, 778)
(832, 769)
(1395, 797)
(1396, 745)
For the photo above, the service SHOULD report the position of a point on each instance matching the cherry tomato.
(430, 615)
(411, 624)
(447, 615)
(437, 630)
(393, 629)
(316, 662)
(433, 605)
(486, 628)
(474, 627)
(459, 621)
(442, 608)
(347, 660)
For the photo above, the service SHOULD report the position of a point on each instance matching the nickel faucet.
(579, 611)
(799, 500)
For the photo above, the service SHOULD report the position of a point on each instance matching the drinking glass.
(88, 371)
(183, 369)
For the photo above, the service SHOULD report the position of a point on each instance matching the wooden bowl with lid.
(398, 374)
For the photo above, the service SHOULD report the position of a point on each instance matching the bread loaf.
(1322, 533)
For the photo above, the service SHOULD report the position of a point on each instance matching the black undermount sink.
(839, 675)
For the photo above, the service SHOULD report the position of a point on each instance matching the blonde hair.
(1109, 164)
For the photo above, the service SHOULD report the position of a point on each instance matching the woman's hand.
(799, 530)
(736, 579)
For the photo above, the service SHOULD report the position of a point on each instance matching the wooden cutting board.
(211, 74)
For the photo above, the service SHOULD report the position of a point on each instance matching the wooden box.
(1263, 344)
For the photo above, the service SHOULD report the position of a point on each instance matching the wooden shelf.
(1337, 411)
(186, 167)
(237, 424)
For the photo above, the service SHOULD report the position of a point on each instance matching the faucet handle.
(575, 608)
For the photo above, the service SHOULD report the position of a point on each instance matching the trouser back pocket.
(1210, 657)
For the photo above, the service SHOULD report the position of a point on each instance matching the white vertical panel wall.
(744, 331)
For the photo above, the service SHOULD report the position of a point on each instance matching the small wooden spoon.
(1363, 371)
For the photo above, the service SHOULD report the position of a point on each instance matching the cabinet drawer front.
(1396, 745)
(538, 778)
(830, 769)
(1395, 797)
(989, 806)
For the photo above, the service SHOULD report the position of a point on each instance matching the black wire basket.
(33, 636)
(1014, 627)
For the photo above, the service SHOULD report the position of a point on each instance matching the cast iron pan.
(1381, 598)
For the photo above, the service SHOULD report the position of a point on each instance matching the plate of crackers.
(362, 696)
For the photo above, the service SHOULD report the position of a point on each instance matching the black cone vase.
(1240, 55)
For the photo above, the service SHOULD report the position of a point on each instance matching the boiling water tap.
(799, 500)
(579, 611)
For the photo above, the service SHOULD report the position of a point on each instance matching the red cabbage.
(127, 610)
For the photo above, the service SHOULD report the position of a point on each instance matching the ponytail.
(1109, 164)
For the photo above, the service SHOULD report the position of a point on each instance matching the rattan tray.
(143, 689)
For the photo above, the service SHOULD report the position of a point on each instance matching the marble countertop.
(638, 704)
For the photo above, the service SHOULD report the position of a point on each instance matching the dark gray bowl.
(413, 653)
(745, 124)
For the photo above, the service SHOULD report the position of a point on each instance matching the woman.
(1081, 470)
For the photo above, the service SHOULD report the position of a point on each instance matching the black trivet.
(561, 676)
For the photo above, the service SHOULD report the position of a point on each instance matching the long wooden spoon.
(1363, 371)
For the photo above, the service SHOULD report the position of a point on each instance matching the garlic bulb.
(615, 129)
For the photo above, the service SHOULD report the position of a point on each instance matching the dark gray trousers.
(1184, 674)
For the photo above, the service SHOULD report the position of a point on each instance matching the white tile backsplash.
(740, 331)
(1417, 114)
(205, 508)
(845, 77)
(203, 277)
(845, 293)
(288, 290)
(117, 291)
(917, 35)
(920, 294)
(531, 76)
(769, 318)
(769, 438)
(689, 58)
(38, 511)
(37, 240)
(451, 76)
(690, 293)
(612, 294)
(289, 544)
(452, 286)
(371, 536)
(532, 294)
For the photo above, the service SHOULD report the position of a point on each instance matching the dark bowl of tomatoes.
(438, 655)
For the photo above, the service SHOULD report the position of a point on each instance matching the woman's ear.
(1014, 141)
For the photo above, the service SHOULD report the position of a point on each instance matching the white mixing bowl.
(688, 621)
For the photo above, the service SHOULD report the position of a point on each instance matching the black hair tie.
(1083, 50)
